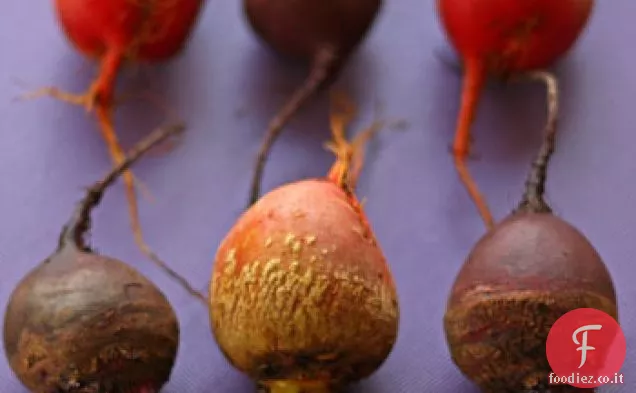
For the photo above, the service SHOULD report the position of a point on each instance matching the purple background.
(227, 85)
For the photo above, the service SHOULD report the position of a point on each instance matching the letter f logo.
(583, 344)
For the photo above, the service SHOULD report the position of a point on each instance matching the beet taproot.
(301, 297)
(115, 32)
(502, 38)
(82, 322)
(519, 278)
(322, 33)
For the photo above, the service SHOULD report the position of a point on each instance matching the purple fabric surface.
(227, 85)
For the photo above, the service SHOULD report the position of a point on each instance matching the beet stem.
(75, 229)
(345, 171)
(321, 70)
(533, 200)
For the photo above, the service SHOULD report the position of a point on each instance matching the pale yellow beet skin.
(301, 274)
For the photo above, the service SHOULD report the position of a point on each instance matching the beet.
(301, 297)
(115, 32)
(82, 322)
(323, 33)
(502, 38)
(524, 274)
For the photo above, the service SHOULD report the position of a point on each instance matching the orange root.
(87, 100)
(104, 116)
(100, 92)
(99, 98)
(473, 82)
(349, 155)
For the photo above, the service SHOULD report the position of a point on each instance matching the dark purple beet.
(86, 323)
(323, 33)
(519, 278)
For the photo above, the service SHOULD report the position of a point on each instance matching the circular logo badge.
(586, 349)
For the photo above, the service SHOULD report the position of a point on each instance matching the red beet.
(324, 33)
(301, 297)
(114, 32)
(82, 322)
(502, 38)
(140, 30)
(524, 274)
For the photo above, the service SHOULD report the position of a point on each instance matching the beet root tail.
(474, 78)
(100, 92)
(321, 71)
(349, 154)
(108, 132)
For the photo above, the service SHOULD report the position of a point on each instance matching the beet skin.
(517, 281)
(301, 292)
(148, 30)
(301, 29)
(82, 322)
(510, 36)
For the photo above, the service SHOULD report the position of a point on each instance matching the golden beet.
(302, 299)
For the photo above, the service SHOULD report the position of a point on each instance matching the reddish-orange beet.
(146, 30)
(301, 297)
(502, 38)
(115, 32)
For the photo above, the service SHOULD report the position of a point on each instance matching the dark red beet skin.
(86, 323)
(548, 254)
(301, 29)
(517, 281)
